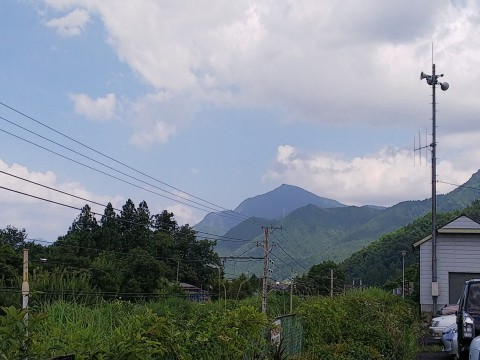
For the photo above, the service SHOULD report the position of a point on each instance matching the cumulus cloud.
(327, 62)
(324, 61)
(160, 132)
(25, 201)
(383, 178)
(96, 109)
(184, 214)
(71, 24)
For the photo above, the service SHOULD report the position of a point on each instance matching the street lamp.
(404, 252)
(432, 80)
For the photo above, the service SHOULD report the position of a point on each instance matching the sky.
(195, 106)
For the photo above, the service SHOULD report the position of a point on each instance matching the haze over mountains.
(315, 229)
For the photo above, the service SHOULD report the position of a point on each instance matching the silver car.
(439, 324)
(449, 339)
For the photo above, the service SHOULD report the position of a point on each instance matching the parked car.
(474, 353)
(449, 339)
(468, 317)
(439, 324)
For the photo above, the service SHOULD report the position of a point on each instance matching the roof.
(189, 287)
(461, 225)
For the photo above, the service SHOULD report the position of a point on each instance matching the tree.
(134, 225)
(141, 272)
(85, 222)
(109, 228)
(13, 237)
(196, 257)
(81, 240)
(106, 274)
(319, 277)
(165, 222)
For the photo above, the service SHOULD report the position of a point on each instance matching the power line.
(219, 237)
(458, 186)
(107, 174)
(117, 161)
(53, 189)
(291, 257)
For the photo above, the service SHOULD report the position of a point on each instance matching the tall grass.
(357, 325)
(172, 329)
(368, 324)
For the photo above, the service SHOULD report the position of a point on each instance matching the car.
(449, 339)
(474, 352)
(468, 317)
(439, 324)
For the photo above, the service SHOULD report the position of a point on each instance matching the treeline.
(380, 263)
(133, 253)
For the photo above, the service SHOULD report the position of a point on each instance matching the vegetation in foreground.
(368, 324)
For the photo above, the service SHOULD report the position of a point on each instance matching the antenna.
(432, 80)
(432, 54)
(419, 149)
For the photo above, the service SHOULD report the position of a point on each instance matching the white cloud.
(328, 62)
(97, 109)
(184, 214)
(160, 132)
(40, 209)
(384, 178)
(71, 24)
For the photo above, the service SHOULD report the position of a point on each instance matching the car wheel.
(462, 355)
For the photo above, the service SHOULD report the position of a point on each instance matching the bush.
(374, 323)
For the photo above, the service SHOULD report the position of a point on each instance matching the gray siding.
(456, 253)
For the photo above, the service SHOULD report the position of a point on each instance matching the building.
(194, 293)
(458, 259)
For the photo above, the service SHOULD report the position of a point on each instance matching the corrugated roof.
(461, 225)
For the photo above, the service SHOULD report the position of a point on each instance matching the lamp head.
(444, 86)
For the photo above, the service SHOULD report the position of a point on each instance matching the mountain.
(272, 205)
(310, 234)
(380, 261)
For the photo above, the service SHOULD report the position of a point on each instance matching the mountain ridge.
(312, 234)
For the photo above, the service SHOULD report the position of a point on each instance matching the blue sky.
(225, 100)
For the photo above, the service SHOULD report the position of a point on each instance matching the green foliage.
(132, 253)
(13, 334)
(317, 281)
(381, 261)
(359, 325)
(123, 330)
(367, 325)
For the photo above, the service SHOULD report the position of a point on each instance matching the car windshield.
(473, 301)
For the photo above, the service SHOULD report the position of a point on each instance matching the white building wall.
(459, 253)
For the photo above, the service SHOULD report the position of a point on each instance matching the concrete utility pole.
(404, 252)
(266, 250)
(25, 285)
(432, 80)
(331, 282)
(265, 269)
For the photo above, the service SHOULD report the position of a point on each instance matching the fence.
(288, 334)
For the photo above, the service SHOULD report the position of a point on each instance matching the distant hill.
(380, 261)
(272, 205)
(312, 234)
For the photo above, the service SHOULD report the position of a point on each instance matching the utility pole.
(265, 269)
(291, 297)
(25, 285)
(331, 282)
(25, 295)
(433, 81)
(266, 251)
